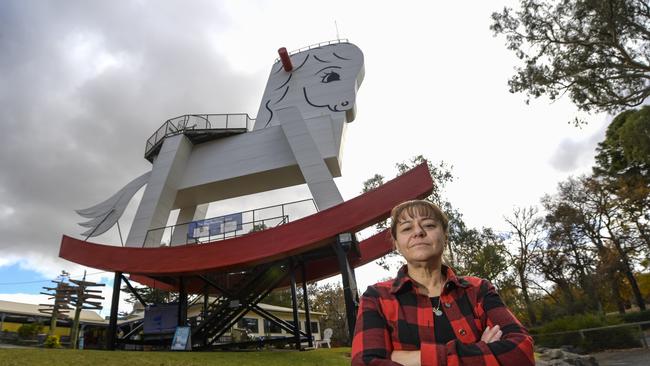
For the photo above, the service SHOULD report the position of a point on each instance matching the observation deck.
(198, 128)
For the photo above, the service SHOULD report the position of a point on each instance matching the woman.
(429, 316)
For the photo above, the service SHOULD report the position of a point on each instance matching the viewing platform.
(198, 128)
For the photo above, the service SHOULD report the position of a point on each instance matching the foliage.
(635, 317)
(441, 175)
(64, 357)
(625, 152)
(258, 227)
(149, 295)
(590, 340)
(30, 330)
(52, 342)
(481, 253)
(596, 51)
(329, 299)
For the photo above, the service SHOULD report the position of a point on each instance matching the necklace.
(436, 309)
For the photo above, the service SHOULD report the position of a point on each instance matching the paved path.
(626, 357)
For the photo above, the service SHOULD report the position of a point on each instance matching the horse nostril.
(345, 103)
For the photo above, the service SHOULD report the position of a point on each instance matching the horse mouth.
(333, 109)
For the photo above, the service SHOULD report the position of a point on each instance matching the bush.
(52, 342)
(639, 316)
(29, 331)
(624, 337)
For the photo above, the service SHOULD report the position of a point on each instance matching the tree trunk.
(616, 294)
(627, 271)
(529, 305)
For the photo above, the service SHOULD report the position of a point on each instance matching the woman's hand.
(491, 334)
(406, 358)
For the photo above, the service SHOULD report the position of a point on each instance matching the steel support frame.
(350, 291)
(305, 298)
(260, 311)
(112, 323)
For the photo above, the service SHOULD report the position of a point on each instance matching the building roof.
(91, 317)
(19, 308)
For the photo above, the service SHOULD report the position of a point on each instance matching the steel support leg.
(349, 288)
(294, 303)
(310, 338)
(182, 303)
(112, 323)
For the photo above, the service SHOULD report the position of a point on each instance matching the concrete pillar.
(158, 198)
(310, 161)
(187, 214)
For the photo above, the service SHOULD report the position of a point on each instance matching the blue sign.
(182, 339)
(160, 318)
(214, 226)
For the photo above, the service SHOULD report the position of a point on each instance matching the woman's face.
(419, 239)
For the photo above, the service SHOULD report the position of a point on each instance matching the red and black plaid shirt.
(393, 315)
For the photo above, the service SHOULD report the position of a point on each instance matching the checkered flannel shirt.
(393, 315)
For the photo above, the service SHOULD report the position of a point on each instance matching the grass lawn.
(66, 357)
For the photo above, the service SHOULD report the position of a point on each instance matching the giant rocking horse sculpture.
(297, 138)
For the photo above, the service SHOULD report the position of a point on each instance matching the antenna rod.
(337, 31)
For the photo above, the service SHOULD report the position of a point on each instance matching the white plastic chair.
(327, 337)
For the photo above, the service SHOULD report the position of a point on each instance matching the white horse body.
(297, 138)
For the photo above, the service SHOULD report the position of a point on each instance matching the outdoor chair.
(327, 337)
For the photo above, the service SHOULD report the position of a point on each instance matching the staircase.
(224, 313)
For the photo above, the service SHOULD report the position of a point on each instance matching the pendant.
(438, 312)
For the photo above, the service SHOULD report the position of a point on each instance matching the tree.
(567, 259)
(594, 50)
(329, 299)
(441, 175)
(623, 163)
(482, 254)
(625, 152)
(526, 228)
(616, 231)
(149, 295)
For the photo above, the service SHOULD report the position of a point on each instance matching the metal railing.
(316, 45)
(592, 335)
(252, 221)
(198, 123)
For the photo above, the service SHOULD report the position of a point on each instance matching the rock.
(558, 357)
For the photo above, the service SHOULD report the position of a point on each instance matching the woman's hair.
(417, 208)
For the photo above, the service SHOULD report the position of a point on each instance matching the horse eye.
(330, 76)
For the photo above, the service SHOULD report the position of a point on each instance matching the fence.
(627, 335)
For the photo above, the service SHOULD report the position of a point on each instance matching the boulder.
(558, 357)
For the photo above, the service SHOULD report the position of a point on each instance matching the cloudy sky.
(83, 84)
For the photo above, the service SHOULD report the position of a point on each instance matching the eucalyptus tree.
(596, 52)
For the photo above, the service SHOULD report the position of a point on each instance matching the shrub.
(623, 337)
(639, 316)
(52, 342)
(29, 331)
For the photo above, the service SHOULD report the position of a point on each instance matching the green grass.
(65, 357)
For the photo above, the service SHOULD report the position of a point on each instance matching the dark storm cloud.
(83, 84)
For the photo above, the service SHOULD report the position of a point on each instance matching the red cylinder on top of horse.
(284, 57)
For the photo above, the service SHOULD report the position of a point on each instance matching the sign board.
(160, 318)
(182, 339)
(214, 226)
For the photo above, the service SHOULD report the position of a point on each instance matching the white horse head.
(324, 80)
